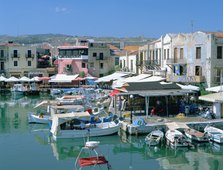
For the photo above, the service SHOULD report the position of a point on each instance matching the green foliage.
(82, 74)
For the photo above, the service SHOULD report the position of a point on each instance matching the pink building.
(72, 59)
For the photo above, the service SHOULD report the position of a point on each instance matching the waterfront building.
(101, 61)
(17, 60)
(127, 62)
(72, 60)
(187, 58)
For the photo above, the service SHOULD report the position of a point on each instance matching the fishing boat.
(196, 135)
(214, 134)
(18, 90)
(78, 124)
(46, 117)
(176, 139)
(154, 138)
(40, 118)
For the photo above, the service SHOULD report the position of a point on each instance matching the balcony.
(185, 79)
(79, 57)
(29, 55)
(176, 61)
(15, 55)
(147, 63)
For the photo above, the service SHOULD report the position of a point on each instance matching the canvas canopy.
(24, 79)
(113, 76)
(58, 119)
(12, 79)
(2, 78)
(215, 89)
(189, 87)
(63, 78)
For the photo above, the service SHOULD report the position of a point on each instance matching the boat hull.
(45, 119)
(102, 129)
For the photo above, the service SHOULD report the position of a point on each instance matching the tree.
(82, 74)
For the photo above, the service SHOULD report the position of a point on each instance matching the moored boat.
(176, 139)
(64, 126)
(214, 134)
(154, 138)
(196, 135)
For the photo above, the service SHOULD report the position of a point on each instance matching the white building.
(188, 58)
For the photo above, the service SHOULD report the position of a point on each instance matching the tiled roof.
(72, 47)
(217, 34)
(131, 48)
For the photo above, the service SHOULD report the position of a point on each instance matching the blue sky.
(118, 18)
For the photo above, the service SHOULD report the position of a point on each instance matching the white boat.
(67, 126)
(195, 135)
(176, 139)
(18, 89)
(154, 138)
(41, 118)
(46, 117)
(214, 134)
(71, 99)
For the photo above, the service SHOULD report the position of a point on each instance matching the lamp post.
(131, 107)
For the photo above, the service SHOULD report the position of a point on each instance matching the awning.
(189, 87)
(152, 79)
(63, 78)
(2, 78)
(24, 79)
(44, 78)
(12, 79)
(113, 76)
(215, 89)
(214, 97)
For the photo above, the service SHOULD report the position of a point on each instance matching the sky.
(116, 18)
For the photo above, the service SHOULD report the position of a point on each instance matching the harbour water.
(26, 146)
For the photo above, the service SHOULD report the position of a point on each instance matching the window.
(168, 54)
(15, 53)
(101, 56)
(131, 65)
(94, 54)
(2, 53)
(198, 71)
(164, 54)
(101, 75)
(15, 63)
(91, 65)
(120, 64)
(219, 52)
(181, 53)
(83, 65)
(218, 76)
(175, 53)
(101, 65)
(198, 52)
(29, 63)
(29, 52)
(2, 66)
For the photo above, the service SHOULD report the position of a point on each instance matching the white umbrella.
(215, 89)
(24, 79)
(35, 79)
(2, 78)
(12, 79)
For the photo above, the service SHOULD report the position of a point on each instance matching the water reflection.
(123, 151)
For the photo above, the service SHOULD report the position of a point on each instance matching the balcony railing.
(147, 62)
(184, 78)
(15, 55)
(83, 57)
(176, 61)
(29, 55)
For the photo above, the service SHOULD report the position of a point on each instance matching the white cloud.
(61, 9)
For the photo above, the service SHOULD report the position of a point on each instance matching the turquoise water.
(26, 146)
